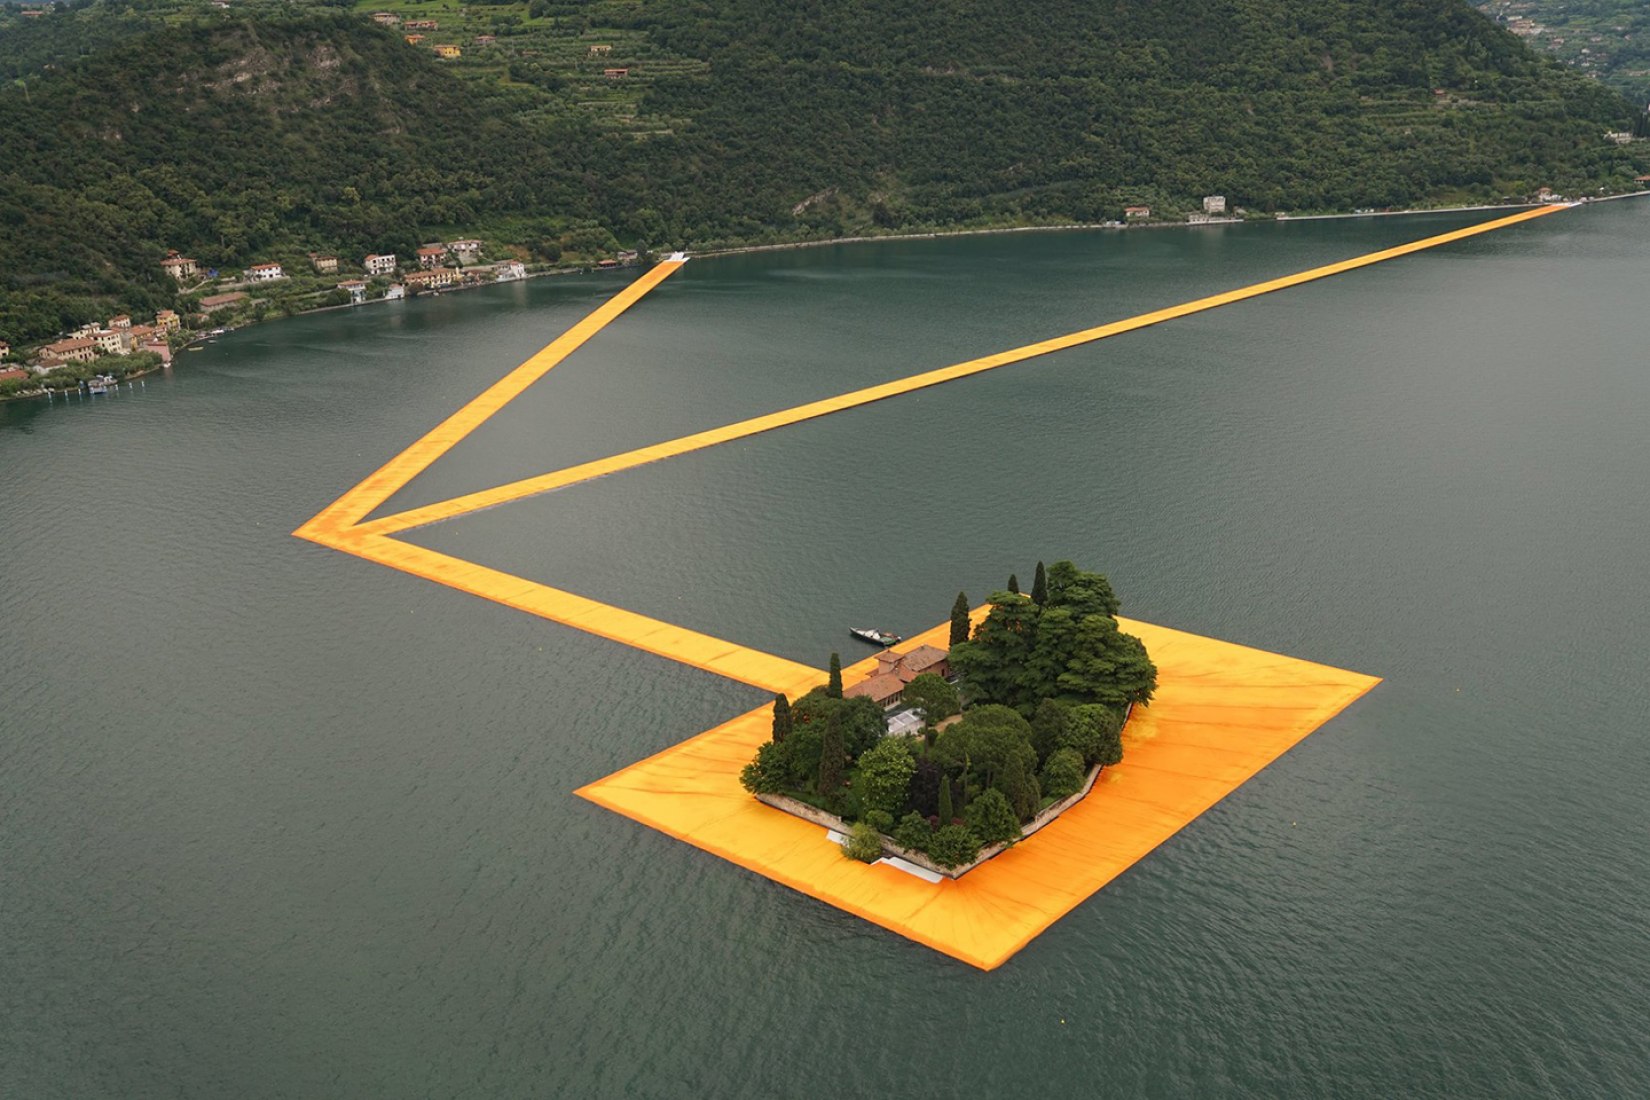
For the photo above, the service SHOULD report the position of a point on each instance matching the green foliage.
(953, 846)
(1069, 648)
(781, 717)
(833, 687)
(1063, 773)
(863, 843)
(884, 775)
(880, 820)
(273, 128)
(913, 832)
(768, 773)
(1014, 584)
(959, 619)
(947, 813)
(1095, 733)
(1017, 779)
(833, 760)
(863, 722)
(934, 696)
(992, 818)
(1039, 586)
(1049, 726)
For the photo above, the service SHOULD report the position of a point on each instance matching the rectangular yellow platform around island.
(1222, 713)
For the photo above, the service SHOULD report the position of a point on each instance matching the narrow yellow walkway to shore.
(487, 498)
(1222, 713)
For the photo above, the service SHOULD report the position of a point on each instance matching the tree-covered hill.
(288, 126)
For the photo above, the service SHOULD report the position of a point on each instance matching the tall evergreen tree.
(781, 717)
(945, 813)
(832, 757)
(1014, 584)
(1039, 586)
(833, 687)
(959, 619)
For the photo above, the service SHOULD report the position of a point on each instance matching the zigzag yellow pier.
(343, 524)
(543, 483)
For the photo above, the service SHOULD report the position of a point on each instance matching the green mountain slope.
(263, 131)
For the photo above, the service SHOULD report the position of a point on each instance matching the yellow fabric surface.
(1222, 713)
(543, 483)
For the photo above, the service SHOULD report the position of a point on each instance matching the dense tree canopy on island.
(135, 126)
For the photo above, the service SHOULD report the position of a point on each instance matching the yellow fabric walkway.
(1223, 712)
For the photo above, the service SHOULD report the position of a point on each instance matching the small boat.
(875, 637)
(100, 384)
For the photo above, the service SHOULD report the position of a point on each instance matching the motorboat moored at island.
(875, 637)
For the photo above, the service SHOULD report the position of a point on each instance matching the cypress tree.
(945, 801)
(781, 717)
(1014, 584)
(834, 687)
(1039, 586)
(832, 754)
(959, 619)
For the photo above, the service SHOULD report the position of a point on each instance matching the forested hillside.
(135, 127)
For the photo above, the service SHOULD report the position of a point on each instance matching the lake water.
(278, 822)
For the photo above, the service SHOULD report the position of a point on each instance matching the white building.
(1214, 204)
(379, 265)
(509, 270)
(394, 292)
(263, 273)
(357, 289)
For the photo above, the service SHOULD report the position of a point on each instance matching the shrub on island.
(1047, 679)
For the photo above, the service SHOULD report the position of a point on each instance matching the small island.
(990, 740)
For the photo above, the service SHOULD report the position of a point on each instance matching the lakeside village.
(943, 758)
(97, 356)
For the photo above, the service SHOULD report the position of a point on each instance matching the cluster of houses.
(415, 29)
(432, 273)
(116, 336)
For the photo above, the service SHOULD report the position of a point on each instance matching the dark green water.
(278, 822)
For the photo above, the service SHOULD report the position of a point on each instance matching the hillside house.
(326, 265)
(485, 39)
(448, 51)
(1137, 213)
(615, 74)
(122, 321)
(5, 349)
(510, 270)
(600, 50)
(421, 25)
(266, 272)
(379, 265)
(437, 279)
(432, 256)
(394, 292)
(214, 302)
(110, 342)
(179, 267)
(385, 18)
(13, 374)
(77, 349)
(1214, 204)
(412, 39)
(467, 251)
(168, 320)
(357, 290)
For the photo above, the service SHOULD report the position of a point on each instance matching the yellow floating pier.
(1222, 713)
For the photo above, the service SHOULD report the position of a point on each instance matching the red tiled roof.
(878, 689)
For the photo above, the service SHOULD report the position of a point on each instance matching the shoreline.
(936, 234)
